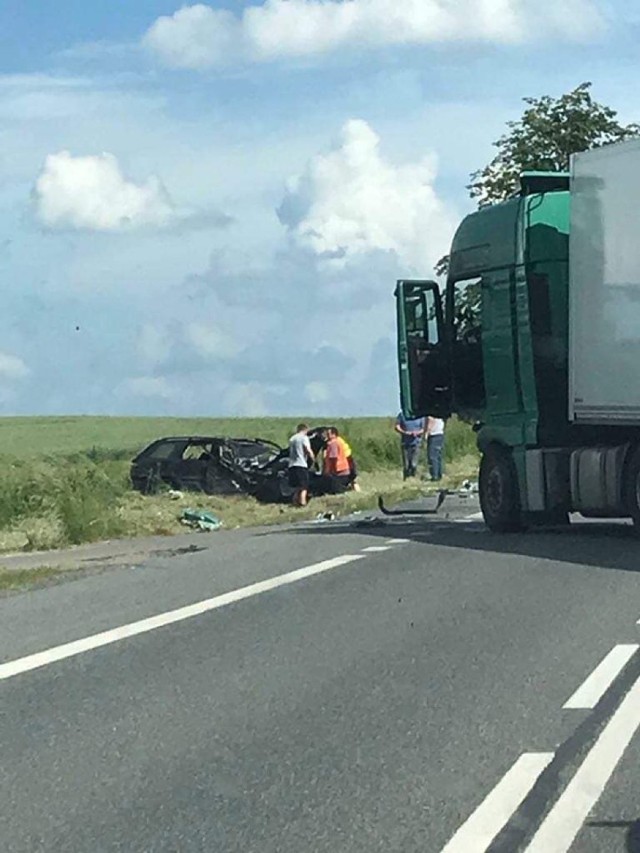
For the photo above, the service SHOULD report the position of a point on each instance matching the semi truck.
(535, 339)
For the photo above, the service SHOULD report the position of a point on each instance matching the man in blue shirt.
(411, 431)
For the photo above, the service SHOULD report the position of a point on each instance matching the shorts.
(298, 477)
(336, 484)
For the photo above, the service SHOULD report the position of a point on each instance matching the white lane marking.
(596, 685)
(492, 814)
(477, 516)
(559, 829)
(114, 635)
(376, 549)
(398, 542)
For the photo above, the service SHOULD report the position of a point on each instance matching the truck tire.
(632, 488)
(499, 492)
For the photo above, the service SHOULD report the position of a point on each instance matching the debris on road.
(370, 521)
(467, 489)
(441, 498)
(324, 516)
(199, 519)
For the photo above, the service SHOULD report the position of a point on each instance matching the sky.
(204, 208)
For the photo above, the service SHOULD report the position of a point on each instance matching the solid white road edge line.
(559, 829)
(114, 635)
(596, 685)
(493, 813)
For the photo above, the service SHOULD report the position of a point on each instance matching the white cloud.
(12, 368)
(210, 342)
(92, 193)
(154, 344)
(317, 392)
(200, 36)
(194, 36)
(247, 400)
(351, 201)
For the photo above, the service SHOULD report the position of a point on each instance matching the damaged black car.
(211, 464)
(218, 465)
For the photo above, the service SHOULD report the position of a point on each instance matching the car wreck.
(217, 465)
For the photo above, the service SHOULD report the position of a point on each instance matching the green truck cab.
(495, 348)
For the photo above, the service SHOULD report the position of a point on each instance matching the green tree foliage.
(550, 130)
(543, 139)
(468, 309)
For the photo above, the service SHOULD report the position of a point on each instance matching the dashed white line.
(96, 641)
(559, 829)
(376, 549)
(397, 542)
(492, 814)
(596, 685)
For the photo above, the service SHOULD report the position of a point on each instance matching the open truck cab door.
(425, 385)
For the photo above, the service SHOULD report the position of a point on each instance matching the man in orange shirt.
(337, 470)
(353, 470)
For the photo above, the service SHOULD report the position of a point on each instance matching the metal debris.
(200, 519)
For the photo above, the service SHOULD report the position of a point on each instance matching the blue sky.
(203, 209)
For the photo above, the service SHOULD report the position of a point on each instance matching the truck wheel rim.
(495, 492)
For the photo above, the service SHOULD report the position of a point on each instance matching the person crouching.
(337, 469)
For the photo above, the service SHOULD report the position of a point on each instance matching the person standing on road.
(300, 458)
(411, 431)
(435, 446)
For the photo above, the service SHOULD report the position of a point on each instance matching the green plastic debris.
(200, 519)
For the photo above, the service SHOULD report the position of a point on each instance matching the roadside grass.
(56, 498)
(13, 580)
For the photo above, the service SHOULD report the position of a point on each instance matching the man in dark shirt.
(411, 431)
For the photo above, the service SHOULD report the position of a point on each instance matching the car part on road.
(200, 519)
(442, 494)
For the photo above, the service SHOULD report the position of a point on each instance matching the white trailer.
(604, 286)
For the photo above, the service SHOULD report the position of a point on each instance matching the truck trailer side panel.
(604, 286)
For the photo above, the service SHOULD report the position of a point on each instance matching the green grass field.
(64, 480)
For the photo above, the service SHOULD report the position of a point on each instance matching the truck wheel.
(499, 492)
(632, 488)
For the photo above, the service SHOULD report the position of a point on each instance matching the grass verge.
(134, 515)
(14, 580)
(53, 501)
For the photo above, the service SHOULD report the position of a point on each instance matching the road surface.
(400, 686)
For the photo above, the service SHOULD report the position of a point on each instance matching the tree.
(550, 130)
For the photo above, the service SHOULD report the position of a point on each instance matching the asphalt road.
(394, 696)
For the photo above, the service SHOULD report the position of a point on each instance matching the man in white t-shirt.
(300, 458)
(435, 446)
